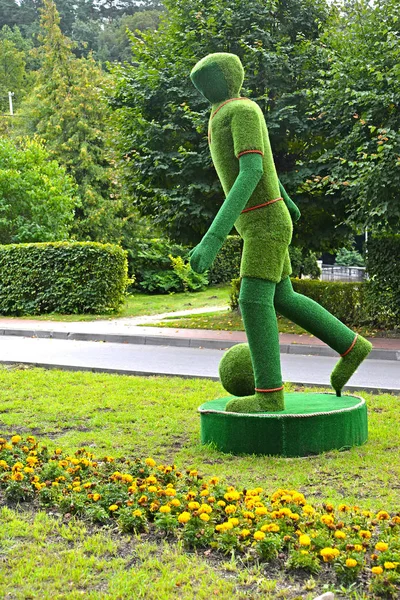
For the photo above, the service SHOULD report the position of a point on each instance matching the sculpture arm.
(250, 172)
(291, 206)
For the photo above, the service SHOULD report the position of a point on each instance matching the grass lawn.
(137, 305)
(44, 556)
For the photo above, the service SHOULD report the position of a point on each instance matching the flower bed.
(358, 545)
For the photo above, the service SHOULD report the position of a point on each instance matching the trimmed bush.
(62, 277)
(344, 300)
(383, 287)
(227, 263)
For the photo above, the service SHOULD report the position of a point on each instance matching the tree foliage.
(355, 160)
(37, 197)
(68, 109)
(163, 120)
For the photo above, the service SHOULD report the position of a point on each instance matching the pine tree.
(68, 109)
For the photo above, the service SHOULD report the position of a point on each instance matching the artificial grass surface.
(132, 416)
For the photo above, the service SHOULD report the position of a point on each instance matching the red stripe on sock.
(250, 152)
(271, 390)
(351, 347)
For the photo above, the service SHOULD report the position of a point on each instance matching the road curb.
(161, 340)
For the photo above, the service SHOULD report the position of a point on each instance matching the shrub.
(159, 267)
(344, 300)
(64, 277)
(227, 263)
(383, 287)
(304, 262)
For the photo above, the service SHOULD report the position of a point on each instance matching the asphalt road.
(185, 362)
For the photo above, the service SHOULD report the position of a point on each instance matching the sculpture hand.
(294, 212)
(203, 255)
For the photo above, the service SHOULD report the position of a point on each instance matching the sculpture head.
(218, 76)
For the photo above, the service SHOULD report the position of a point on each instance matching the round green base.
(310, 424)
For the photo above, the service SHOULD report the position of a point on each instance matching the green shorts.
(265, 258)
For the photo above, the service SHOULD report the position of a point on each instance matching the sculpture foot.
(349, 363)
(259, 402)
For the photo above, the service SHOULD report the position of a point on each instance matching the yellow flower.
(382, 546)
(248, 514)
(113, 507)
(150, 462)
(211, 500)
(151, 480)
(340, 535)
(245, 533)
(351, 562)
(152, 489)
(204, 517)
(365, 534)
(294, 516)
(308, 510)
(232, 496)
(175, 502)
(329, 554)
(298, 498)
(221, 503)
(234, 521)
(137, 513)
(214, 481)
(259, 535)
(205, 508)
(18, 476)
(3, 464)
(304, 540)
(96, 497)
(390, 565)
(343, 508)
(377, 570)
(230, 509)
(327, 519)
(193, 473)
(382, 515)
(270, 527)
(16, 439)
(204, 493)
(184, 517)
(165, 509)
(32, 460)
(359, 548)
(193, 505)
(261, 511)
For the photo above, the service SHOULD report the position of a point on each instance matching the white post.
(10, 95)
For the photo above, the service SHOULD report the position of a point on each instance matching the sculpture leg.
(257, 306)
(318, 321)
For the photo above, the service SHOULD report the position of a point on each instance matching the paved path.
(137, 359)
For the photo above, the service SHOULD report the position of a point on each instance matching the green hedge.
(344, 300)
(383, 287)
(227, 263)
(62, 277)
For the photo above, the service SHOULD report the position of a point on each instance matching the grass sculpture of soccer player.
(258, 206)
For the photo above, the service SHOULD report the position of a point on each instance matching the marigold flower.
(165, 509)
(154, 506)
(259, 535)
(211, 500)
(170, 492)
(193, 473)
(234, 521)
(96, 497)
(142, 500)
(329, 507)
(329, 554)
(294, 516)
(382, 515)
(308, 510)
(151, 480)
(113, 507)
(351, 562)
(377, 570)
(16, 439)
(204, 493)
(232, 496)
(150, 462)
(261, 511)
(365, 534)
(221, 503)
(327, 519)
(230, 509)
(152, 489)
(390, 565)
(137, 512)
(205, 508)
(270, 527)
(340, 535)
(359, 548)
(193, 505)
(214, 481)
(343, 508)
(175, 502)
(204, 517)
(245, 533)
(298, 498)
(381, 546)
(18, 476)
(304, 540)
(184, 517)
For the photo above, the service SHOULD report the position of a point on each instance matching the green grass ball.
(236, 371)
